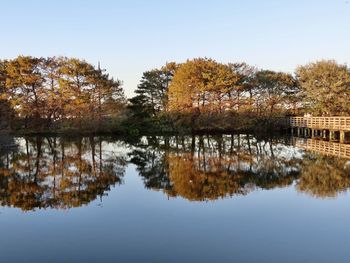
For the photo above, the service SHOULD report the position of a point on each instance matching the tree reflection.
(212, 167)
(150, 160)
(51, 172)
(57, 172)
(193, 183)
(324, 176)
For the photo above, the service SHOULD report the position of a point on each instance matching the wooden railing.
(327, 123)
(323, 147)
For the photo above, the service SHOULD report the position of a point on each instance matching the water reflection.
(323, 176)
(57, 172)
(323, 147)
(212, 167)
(61, 173)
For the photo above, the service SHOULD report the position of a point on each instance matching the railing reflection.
(323, 147)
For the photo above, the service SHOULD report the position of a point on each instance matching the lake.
(218, 198)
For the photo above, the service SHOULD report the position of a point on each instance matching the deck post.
(307, 132)
(342, 137)
(324, 134)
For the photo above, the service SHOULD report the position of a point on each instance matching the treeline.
(58, 94)
(205, 95)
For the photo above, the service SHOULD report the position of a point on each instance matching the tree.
(107, 96)
(202, 84)
(246, 86)
(326, 87)
(152, 92)
(24, 88)
(151, 99)
(275, 91)
(75, 84)
(202, 93)
(54, 94)
(60, 92)
(5, 108)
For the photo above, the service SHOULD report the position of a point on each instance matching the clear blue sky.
(131, 36)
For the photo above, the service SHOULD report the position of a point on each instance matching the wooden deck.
(321, 123)
(323, 147)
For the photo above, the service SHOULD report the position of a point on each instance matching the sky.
(129, 37)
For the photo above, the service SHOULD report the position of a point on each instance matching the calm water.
(230, 198)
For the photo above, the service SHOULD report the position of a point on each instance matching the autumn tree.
(201, 84)
(275, 92)
(5, 108)
(203, 91)
(54, 95)
(75, 83)
(326, 87)
(90, 94)
(245, 88)
(107, 97)
(51, 93)
(24, 89)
